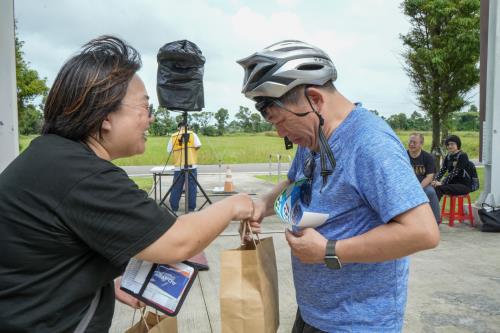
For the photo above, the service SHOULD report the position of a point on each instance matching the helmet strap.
(325, 153)
(324, 148)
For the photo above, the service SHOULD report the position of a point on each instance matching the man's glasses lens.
(262, 105)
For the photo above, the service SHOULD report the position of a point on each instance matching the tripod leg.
(202, 190)
(175, 190)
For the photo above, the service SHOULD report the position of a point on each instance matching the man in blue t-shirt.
(351, 272)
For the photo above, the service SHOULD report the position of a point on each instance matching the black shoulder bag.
(490, 216)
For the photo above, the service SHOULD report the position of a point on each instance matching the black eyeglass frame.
(264, 102)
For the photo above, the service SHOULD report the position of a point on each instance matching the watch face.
(333, 262)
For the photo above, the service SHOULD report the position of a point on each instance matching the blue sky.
(361, 36)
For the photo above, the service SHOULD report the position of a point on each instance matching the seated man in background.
(424, 166)
(176, 144)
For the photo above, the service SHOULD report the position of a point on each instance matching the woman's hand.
(243, 207)
(436, 183)
(255, 220)
(125, 298)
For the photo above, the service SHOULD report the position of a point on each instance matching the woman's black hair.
(453, 138)
(88, 87)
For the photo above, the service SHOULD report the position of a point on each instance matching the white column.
(9, 139)
(491, 129)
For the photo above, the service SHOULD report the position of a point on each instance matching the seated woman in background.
(455, 164)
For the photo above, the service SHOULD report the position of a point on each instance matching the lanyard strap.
(325, 152)
(84, 323)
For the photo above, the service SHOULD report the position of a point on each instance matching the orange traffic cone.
(228, 184)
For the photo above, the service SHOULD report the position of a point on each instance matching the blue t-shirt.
(372, 183)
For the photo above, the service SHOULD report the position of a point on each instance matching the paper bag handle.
(143, 317)
(246, 224)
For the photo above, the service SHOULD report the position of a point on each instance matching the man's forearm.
(410, 232)
(427, 180)
(270, 197)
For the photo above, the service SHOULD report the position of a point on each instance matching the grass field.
(248, 148)
(144, 183)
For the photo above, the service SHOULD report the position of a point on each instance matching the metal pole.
(270, 165)
(185, 141)
(220, 173)
(9, 135)
(279, 166)
(491, 125)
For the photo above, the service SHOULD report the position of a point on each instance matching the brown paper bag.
(154, 323)
(249, 298)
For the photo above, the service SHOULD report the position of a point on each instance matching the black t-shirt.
(69, 223)
(455, 165)
(422, 165)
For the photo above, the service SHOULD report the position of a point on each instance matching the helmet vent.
(283, 80)
(310, 67)
(262, 71)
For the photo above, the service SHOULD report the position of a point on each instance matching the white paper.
(131, 279)
(143, 271)
(289, 209)
(169, 169)
(312, 220)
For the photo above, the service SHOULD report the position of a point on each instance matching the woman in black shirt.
(454, 164)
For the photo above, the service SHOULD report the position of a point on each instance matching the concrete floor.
(453, 288)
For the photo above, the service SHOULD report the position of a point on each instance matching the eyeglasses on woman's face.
(143, 107)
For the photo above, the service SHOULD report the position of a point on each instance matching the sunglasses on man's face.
(306, 187)
(262, 106)
(265, 103)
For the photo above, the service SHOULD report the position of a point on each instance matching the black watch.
(331, 259)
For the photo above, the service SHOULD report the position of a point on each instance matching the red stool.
(454, 213)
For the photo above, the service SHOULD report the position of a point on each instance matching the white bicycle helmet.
(282, 66)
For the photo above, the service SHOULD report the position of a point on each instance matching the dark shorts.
(300, 326)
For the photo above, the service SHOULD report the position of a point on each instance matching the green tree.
(257, 123)
(466, 121)
(163, 123)
(398, 121)
(204, 120)
(221, 116)
(441, 55)
(233, 126)
(419, 122)
(243, 117)
(29, 87)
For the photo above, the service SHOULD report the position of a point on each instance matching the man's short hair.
(181, 124)
(420, 135)
(293, 96)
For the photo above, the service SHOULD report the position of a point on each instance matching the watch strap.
(330, 248)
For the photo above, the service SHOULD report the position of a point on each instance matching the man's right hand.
(258, 214)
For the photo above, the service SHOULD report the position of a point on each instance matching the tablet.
(161, 286)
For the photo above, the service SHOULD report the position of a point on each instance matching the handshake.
(307, 244)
